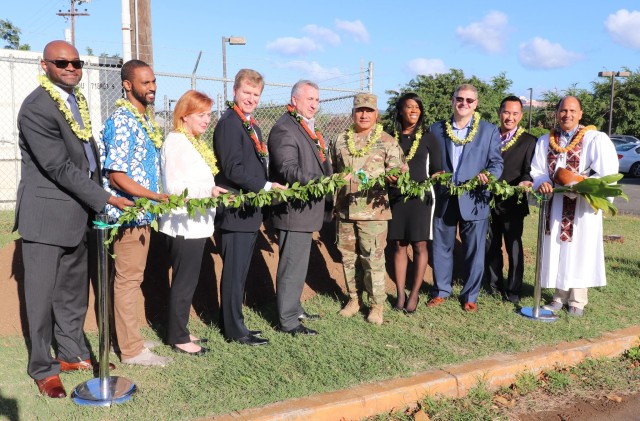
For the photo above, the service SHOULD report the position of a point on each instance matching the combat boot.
(351, 308)
(375, 314)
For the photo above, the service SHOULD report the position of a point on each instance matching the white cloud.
(488, 34)
(321, 34)
(426, 66)
(290, 46)
(355, 28)
(623, 26)
(540, 53)
(314, 71)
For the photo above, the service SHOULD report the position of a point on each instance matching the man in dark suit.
(297, 153)
(470, 146)
(59, 193)
(243, 159)
(507, 218)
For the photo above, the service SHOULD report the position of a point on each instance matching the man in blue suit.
(470, 148)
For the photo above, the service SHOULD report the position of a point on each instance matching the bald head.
(60, 64)
(54, 48)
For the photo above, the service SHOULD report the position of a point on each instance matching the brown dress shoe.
(80, 365)
(435, 301)
(470, 307)
(52, 387)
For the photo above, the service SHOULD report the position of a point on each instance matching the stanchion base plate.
(118, 390)
(543, 315)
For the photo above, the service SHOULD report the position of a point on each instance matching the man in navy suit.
(470, 148)
(244, 164)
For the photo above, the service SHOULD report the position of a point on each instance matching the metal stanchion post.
(535, 312)
(103, 390)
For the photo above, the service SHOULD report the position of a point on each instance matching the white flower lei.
(82, 134)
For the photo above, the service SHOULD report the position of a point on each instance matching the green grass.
(6, 225)
(346, 353)
(556, 388)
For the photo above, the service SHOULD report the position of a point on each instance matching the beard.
(141, 97)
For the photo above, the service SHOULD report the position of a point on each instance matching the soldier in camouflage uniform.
(363, 215)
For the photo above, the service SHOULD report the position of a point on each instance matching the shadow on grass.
(8, 408)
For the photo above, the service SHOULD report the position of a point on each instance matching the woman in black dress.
(411, 220)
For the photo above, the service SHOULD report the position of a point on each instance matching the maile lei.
(414, 144)
(472, 133)
(576, 138)
(373, 138)
(513, 140)
(261, 147)
(82, 134)
(205, 151)
(316, 137)
(148, 124)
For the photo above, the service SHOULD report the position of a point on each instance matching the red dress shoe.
(470, 307)
(435, 301)
(52, 387)
(80, 365)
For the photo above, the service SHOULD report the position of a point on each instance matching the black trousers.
(186, 260)
(237, 250)
(509, 226)
(56, 288)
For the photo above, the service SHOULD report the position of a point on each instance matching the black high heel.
(411, 311)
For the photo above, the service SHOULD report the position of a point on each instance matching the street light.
(530, 105)
(231, 41)
(612, 75)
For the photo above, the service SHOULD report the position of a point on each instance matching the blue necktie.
(73, 106)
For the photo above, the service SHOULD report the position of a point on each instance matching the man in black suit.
(507, 217)
(298, 153)
(59, 192)
(244, 163)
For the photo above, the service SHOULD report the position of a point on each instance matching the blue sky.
(543, 45)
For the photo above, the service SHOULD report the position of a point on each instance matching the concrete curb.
(453, 381)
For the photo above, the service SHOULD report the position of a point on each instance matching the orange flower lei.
(261, 147)
(576, 138)
(316, 137)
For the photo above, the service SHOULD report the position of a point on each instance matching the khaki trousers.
(131, 248)
(576, 297)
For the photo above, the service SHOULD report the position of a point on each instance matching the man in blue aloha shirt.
(130, 161)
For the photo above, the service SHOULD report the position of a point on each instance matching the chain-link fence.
(101, 86)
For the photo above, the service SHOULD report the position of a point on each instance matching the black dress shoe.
(250, 340)
(309, 317)
(255, 332)
(300, 330)
(202, 351)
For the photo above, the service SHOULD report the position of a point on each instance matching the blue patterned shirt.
(127, 148)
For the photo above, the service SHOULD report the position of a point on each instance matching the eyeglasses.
(469, 101)
(63, 64)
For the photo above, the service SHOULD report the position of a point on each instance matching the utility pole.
(141, 45)
(71, 14)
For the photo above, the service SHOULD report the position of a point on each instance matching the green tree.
(11, 34)
(626, 103)
(435, 91)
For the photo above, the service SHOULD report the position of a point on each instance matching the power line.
(71, 14)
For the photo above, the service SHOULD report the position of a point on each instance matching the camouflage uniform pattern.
(364, 241)
(363, 216)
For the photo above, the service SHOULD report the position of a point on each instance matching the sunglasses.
(469, 101)
(63, 64)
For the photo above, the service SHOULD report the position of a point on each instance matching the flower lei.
(148, 124)
(414, 144)
(576, 138)
(82, 134)
(205, 151)
(474, 129)
(373, 138)
(316, 137)
(261, 147)
(513, 140)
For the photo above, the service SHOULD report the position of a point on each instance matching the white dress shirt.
(182, 167)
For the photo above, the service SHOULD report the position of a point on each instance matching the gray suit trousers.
(291, 275)
(56, 288)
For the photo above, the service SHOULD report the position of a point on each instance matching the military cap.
(365, 101)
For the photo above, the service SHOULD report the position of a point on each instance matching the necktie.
(73, 106)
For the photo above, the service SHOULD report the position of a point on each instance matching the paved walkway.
(453, 381)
